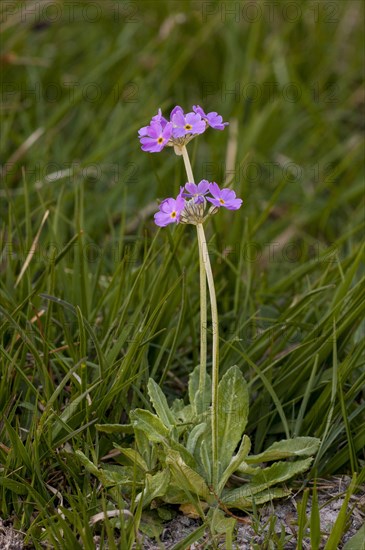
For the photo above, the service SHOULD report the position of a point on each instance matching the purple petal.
(167, 205)
(227, 195)
(167, 131)
(175, 110)
(150, 145)
(214, 189)
(162, 219)
(234, 205)
(193, 118)
(178, 119)
(191, 188)
(203, 187)
(197, 109)
(143, 131)
(214, 201)
(148, 140)
(159, 118)
(179, 203)
(178, 132)
(155, 129)
(216, 121)
(199, 128)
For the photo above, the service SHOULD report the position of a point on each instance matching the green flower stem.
(215, 358)
(203, 300)
(206, 274)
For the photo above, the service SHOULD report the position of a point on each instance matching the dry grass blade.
(109, 514)
(24, 147)
(32, 250)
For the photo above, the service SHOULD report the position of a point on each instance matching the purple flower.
(175, 110)
(155, 136)
(191, 123)
(159, 118)
(179, 130)
(170, 210)
(224, 197)
(213, 119)
(197, 192)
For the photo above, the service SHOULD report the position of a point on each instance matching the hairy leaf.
(357, 541)
(194, 396)
(108, 477)
(300, 446)
(160, 404)
(185, 477)
(194, 436)
(234, 500)
(133, 456)
(236, 461)
(265, 478)
(187, 457)
(205, 458)
(115, 428)
(150, 424)
(233, 413)
(156, 486)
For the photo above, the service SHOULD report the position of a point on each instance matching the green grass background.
(107, 300)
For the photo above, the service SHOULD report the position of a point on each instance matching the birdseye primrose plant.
(186, 453)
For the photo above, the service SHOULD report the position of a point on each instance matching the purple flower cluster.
(190, 203)
(179, 130)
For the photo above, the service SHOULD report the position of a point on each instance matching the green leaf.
(236, 461)
(114, 475)
(265, 478)
(357, 541)
(115, 428)
(246, 503)
(14, 486)
(155, 486)
(300, 446)
(183, 452)
(194, 437)
(175, 495)
(185, 477)
(150, 524)
(232, 414)
(160, 404)
(280, 471)
(194, 390)
(190, 539)
(18, 449)
(90, 466)
(133, 456)
(147, 451)
(205, 458)
(150, 424)
(108, 476)
(222, 525)
(182, 413)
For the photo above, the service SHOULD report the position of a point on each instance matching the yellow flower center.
(221, 201)
(160, 140)
(173, 214)
(188, 126)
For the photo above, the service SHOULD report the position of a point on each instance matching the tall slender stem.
(188, 169)
(206, 274)
(203, 301)
(215, 358)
